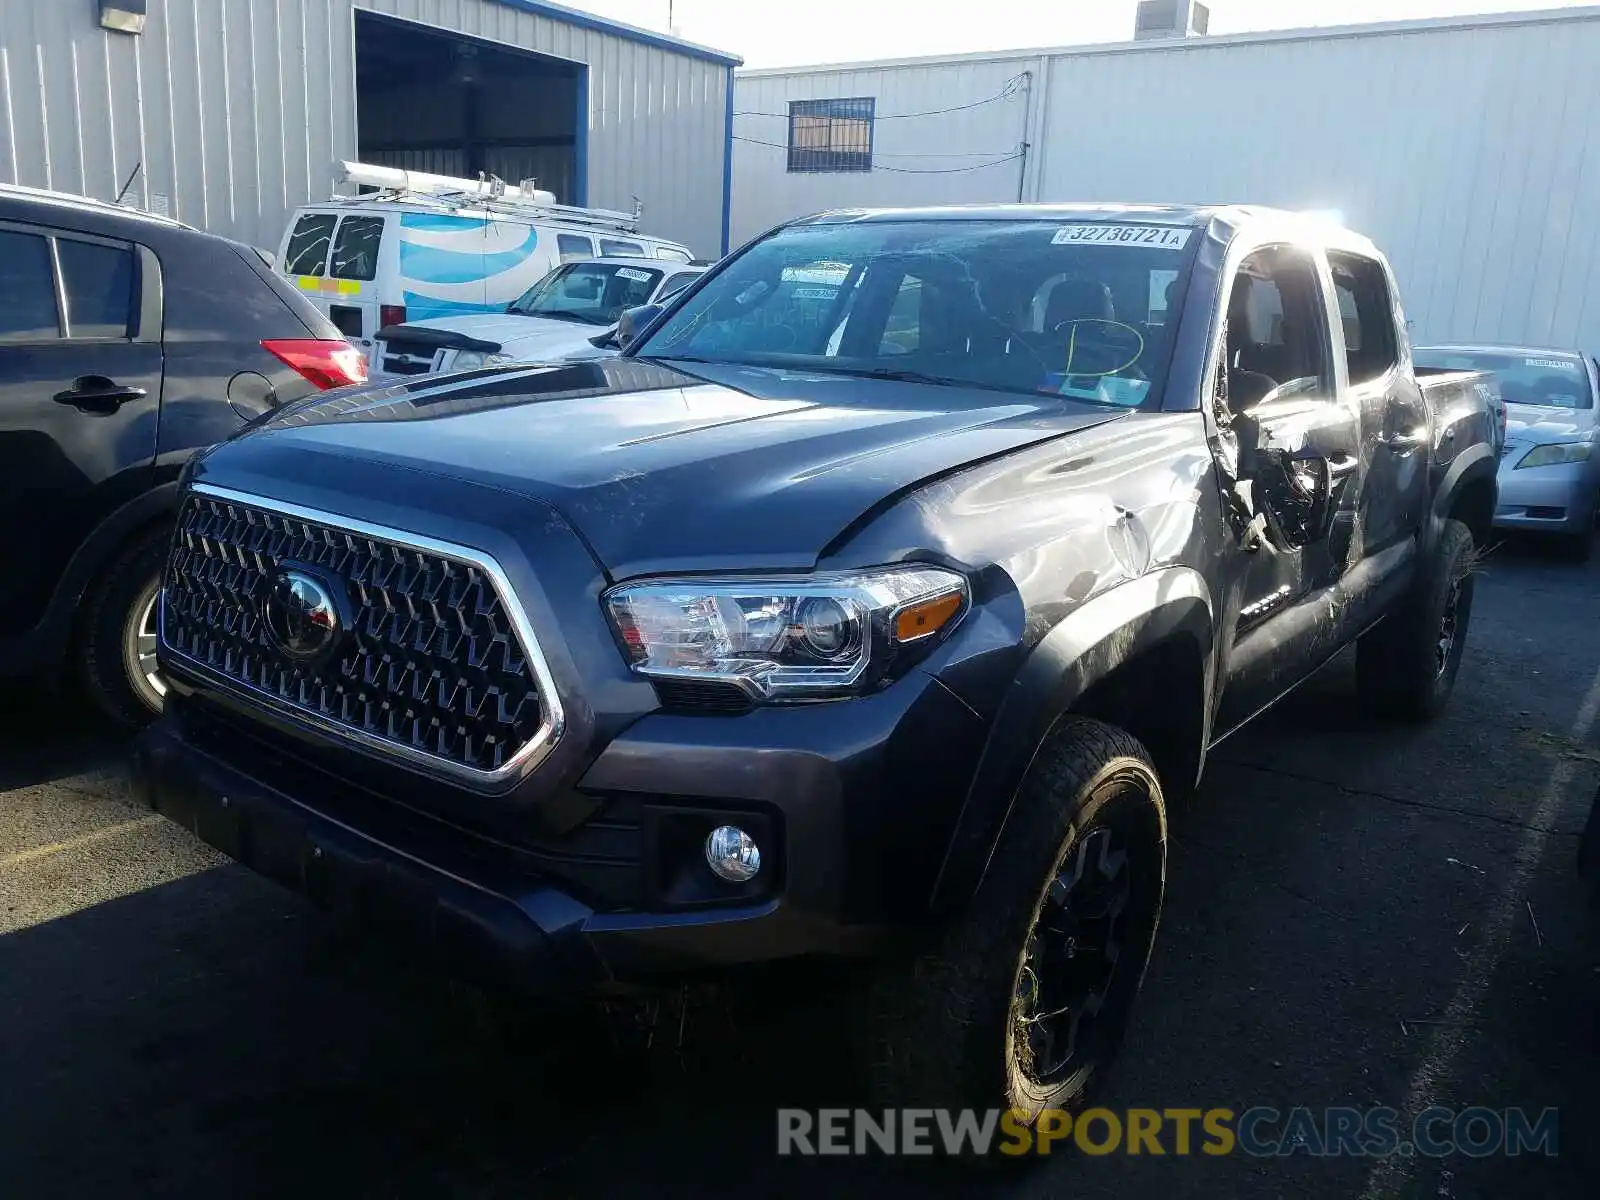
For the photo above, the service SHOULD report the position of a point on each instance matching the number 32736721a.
(1163, 237)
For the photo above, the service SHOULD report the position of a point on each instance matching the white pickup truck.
(560, 315)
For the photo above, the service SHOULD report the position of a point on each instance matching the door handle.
(97, 394)
(1342, 464)
(1406, 442)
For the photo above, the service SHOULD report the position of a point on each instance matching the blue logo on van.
(436, 264)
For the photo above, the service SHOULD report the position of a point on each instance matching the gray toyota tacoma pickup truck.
(874, 605)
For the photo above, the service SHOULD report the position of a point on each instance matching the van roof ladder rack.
(488, 192)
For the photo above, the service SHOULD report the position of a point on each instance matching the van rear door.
(353, 271)
(332, 258)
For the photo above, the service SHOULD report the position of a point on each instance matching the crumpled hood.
(1532, 424)
(733, 467)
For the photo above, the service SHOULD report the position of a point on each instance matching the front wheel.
(1024, 1003)
(117, 638)
(1406, 666)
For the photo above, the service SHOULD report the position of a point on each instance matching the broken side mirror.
(1295, 493)
(633, 320)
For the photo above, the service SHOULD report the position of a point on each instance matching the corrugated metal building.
(1465, 147)
(235, 111)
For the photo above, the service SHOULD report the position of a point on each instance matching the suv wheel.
(1024, 1003)
(117, 640)
(1406, 666)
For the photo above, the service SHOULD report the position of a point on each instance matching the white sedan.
(562, 314)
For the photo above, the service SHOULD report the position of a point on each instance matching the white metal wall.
(977, 146)
(239, 108)
(1464, 149)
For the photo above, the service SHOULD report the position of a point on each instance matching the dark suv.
(127, 342)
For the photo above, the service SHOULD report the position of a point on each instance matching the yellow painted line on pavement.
(87, 839)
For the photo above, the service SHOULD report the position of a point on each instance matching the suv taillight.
(328, 364)
(391, 314)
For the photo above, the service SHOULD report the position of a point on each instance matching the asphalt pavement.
(1356, 915)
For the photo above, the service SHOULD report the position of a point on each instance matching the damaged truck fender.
(1164, 615)
(1466, 493)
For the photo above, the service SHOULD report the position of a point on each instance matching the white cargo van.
(425, 246)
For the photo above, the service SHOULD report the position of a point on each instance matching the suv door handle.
(97, 394)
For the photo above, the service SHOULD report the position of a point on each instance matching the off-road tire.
(1403, 669)
(112, 604)
(937, 1030)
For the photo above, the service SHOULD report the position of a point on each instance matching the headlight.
(1553, 453)
(471, 360)
(787, 639)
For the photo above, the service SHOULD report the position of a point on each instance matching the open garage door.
(431, 100)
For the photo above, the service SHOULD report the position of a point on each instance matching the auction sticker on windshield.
(1549, 364)
(1163, 236)
(634, 274)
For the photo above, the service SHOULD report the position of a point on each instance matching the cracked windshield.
(1082, 309)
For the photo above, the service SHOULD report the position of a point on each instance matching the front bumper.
(1555, 499)
(854, 802)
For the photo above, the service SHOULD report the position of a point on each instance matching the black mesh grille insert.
(429, 659)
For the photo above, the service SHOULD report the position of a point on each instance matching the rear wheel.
(1406, 666)
(1024, 1003)
(117, 638)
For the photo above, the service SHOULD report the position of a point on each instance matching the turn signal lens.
(926, 617)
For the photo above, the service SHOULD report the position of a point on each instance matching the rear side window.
(1366, 314)
(27, 289)
(98, 283)
(574, 248)
(355, 250)
(902, 333)
(308, 244)
(672, 254)
(623, 249)
(677, 283)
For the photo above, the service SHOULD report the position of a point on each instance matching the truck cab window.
(1366, 315)
(901, 332)
(1277, 337)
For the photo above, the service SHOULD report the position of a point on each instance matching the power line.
(877, 154)
(902, 170)
(1013, 86)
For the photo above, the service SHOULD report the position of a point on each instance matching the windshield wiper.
(903, 375)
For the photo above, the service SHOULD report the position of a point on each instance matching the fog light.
(732, 854)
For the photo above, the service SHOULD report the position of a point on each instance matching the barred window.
(831, 135)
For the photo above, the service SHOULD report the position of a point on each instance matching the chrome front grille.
(432, 661)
